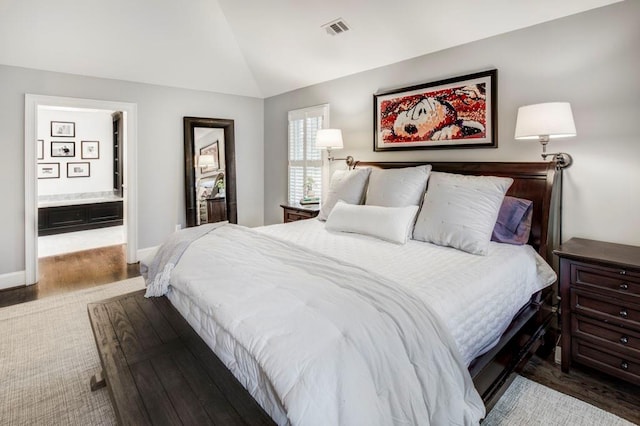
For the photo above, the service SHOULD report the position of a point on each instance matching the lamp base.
(562, 159)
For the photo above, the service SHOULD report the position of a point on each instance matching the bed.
(279, 340)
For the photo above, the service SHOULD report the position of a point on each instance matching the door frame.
(130, 189)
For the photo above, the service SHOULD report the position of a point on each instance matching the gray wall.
(591, 60)
(160, 149)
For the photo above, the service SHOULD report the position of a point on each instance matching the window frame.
(304, 114)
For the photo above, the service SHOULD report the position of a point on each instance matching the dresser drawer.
(610, 362)
(612, 281)
(292, 216)
(609, 309)
(620, 339)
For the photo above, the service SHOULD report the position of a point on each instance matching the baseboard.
(147, 253)
(13, 279)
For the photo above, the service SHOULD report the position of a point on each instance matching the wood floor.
(73, 271)
(64, 273)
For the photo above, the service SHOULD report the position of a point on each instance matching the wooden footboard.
(159, 371)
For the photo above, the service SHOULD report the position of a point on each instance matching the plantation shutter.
(305, 160)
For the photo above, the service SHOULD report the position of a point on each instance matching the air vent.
(336, 27)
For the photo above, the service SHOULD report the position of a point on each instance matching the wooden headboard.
(532, 181)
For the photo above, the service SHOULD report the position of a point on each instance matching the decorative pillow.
(387, 223)
(460, 211)
(514, 221)
(397, 187)
(345, 185)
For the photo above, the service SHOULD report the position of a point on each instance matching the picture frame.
(48, 170)
(40, 149)
(63, 129)
(458, 112)
(78, 169)
(90, 150)
(211, 149)
(63, 149)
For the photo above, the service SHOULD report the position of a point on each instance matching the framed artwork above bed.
(459, 112)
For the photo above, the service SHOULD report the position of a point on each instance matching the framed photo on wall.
(63, 149)
(48, 170)
(210, 157)
(63, 129)
(40, 149)
(90, 150)
(458, 112)
(75, 170)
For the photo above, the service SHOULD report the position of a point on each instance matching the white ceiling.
(255, 48)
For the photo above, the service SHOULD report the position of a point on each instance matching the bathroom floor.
(52, 245)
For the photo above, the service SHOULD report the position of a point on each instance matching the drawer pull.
(623, 272)
(624, 365)
(624, 313)
(624, 286)
(624, 340)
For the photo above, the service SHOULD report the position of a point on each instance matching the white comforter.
(338, 344)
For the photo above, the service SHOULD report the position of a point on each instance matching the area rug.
(47, 355)
(530, 403)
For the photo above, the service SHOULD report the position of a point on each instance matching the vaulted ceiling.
(255, 48)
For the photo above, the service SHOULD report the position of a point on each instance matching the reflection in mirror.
(209, 170)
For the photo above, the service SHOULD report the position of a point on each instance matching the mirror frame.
(190, 123)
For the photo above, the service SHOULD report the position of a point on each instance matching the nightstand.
(600, 300)
(293, 212)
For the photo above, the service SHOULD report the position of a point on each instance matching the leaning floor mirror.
(210, 171)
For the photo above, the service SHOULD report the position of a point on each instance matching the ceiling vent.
(336, 27)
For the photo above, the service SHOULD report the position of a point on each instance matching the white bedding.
(475, 296)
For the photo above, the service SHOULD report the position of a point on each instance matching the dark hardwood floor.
(598, 389)
(65, 273)
(74, 271)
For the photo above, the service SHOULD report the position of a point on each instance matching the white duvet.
(373, 370)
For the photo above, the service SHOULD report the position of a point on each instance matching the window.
(305, 160)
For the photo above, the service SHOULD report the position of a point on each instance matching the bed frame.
(492, 372)
(158, 370)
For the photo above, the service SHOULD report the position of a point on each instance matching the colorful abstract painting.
(452, 113)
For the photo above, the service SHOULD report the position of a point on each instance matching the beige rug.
(47, 355)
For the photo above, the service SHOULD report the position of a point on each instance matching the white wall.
(590, 59)
(89, 126)
(160, 149)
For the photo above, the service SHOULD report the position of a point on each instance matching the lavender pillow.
(514, 221)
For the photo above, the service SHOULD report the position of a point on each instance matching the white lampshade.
(552, 120)
(329, 138)
(206, 161)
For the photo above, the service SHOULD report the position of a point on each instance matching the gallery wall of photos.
(63, 145)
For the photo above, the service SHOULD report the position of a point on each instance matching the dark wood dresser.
(299, 212)
(600, 308)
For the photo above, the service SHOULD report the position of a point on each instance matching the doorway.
(77, 166)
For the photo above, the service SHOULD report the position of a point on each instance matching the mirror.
(210, 170)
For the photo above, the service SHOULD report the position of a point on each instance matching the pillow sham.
(345, 185)
(397, 187)
(460, 211)
(514, 221)
(387, 223)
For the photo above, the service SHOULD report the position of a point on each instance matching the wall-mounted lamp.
(547, 121)
(331, 139)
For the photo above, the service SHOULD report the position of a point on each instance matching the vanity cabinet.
(79, 217)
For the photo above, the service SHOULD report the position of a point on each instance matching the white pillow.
(345, 185)
(387, 223)
(397, 187)
(460, 211)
